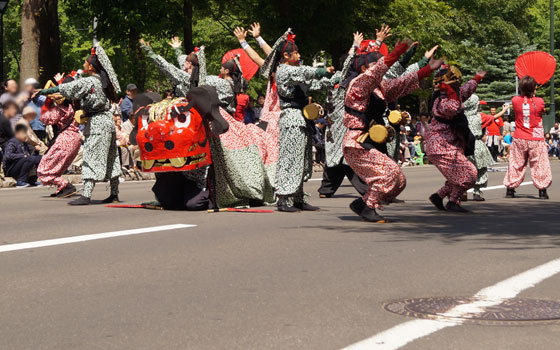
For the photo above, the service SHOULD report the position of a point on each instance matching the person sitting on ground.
(29, 116)
(9, 111)
(552, 144)
(20, 159)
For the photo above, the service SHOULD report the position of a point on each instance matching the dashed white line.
(400, 335)
(84, 238)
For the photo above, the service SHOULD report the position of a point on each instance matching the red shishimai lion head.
(172, 137)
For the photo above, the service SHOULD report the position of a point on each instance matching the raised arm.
(175, 43)
(241, 35)
(256, 33)
(470, 87)
(407, 83)
(175, 75)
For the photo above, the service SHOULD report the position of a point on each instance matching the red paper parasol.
(249, 67)
(369, 46)
(538, 64)
(482, 102)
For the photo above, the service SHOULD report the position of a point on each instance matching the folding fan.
(249, 67)
(538, 64)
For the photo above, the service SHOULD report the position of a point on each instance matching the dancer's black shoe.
(510, 193)
(437, 201)
(287, 209)
(357, 206)
(306, 207)
(80, 201)
(67, 191)
(543, 194)
(454, 207)
(371, 215)
(478, 198)
(114, 198)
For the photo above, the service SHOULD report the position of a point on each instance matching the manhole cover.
(509, 312)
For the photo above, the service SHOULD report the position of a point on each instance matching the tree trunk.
(30, 39)
(139, 73)
(50, 58)
(187, 26)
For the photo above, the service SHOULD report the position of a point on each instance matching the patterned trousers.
(384, 178)
(481, 180)
(295, 163)
(533, 152)
(459, 172)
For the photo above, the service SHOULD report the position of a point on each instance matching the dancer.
(295, 162)
(447, 139)
(482, 158)
(101, 158)
(336, 167)
(66, 144)
(366, 102)
(528, 144)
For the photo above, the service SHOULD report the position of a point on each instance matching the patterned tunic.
(295, 161)
(67, 145)
(383, 176)
(178, 77)
(101, 158)
(482, 158)
(445, 149)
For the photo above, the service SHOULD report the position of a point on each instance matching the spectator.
(493, 133)
(257, 110)
(128, 126)
(20, 160)
(555, 131)
(29, 116)
(250, 117)
(507, 128)
(168, 94)
(10, 91)
(422, 126)
(9, 111)
(319, 141)
(553, 146)
(123, 143)
(126, 104)
(36, 103)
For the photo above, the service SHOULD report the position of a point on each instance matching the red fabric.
(486, 120)
(478, 78)
(459, 172)
(451, 94)
(493, 126)
(397, 52)
(242, 104)
(532, 127)
(249, 67)
(425, 72)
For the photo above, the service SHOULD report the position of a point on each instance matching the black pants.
(333, 177)
(175, 192)
(494, 151)
(20, 170)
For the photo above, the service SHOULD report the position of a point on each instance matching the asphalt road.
(266, 281)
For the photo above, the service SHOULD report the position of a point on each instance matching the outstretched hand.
(358, 38)
(58, 77)
(240, 33)
(331, 70)
(175, 42)
(383, 33)
(144, 42)
(435, 63)
(430, 53)
(481, 73)
(255, 29)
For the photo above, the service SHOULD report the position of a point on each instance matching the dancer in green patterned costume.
(101, 160)
(482, 159)
(295, 163)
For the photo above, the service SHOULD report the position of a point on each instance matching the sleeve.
(395, 71)
(7, 128)
(364, 84)
(402, 86)
(468, 89)
(202, 74)
(242, 103)
(500, 122)
(295, 75)
(179, 55)
(10, 153)
(325, 83)
(77, 89)
(346, 68)
(445, 107)
(175, 75)
(51, 116)
(486, 120)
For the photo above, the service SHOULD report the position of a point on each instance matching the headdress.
(447, 74)
(271, 59)
(102, 64)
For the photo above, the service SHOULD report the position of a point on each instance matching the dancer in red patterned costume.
(66, 146)
(448, 137)
(528, 144)
(366, 101)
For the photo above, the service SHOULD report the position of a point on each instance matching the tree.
(30, 39)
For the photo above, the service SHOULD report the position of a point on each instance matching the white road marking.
(400, 335)
(77, 185)
(500, 186)
(84, 238)
(314, 179)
